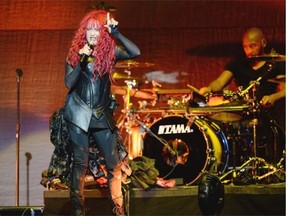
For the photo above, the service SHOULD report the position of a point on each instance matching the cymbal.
(122, 90)
(274, 57)
(125, 76)
(173, 91)
(133, 64)
(217, 109)
(277, 80)
(162, 110)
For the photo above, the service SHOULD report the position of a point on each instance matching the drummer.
(256, 65)
(251, 67)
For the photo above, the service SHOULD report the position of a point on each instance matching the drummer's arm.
(270, 99)
(219, 83)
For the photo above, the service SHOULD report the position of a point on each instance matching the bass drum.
(184, 149)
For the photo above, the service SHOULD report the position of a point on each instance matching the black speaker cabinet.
(180, 200)
(97, 202)
(21, 211)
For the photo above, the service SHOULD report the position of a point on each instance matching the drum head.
(170, 135)
(226, 117)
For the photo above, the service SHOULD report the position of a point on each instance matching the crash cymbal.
(133, 64)
(117, 75)
(278, 80)
(122, 90)
(172, 91)
(274, 57)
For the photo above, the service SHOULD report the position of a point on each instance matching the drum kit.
(191, 134)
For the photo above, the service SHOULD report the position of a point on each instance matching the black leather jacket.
(89, 96)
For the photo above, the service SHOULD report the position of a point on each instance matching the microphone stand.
(19, 73)
(28, 158)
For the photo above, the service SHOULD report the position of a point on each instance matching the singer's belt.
(98, 112)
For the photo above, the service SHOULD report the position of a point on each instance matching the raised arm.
(128, 50)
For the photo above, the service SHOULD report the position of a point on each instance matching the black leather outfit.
(88, 111)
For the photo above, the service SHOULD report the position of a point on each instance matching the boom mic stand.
(19, 73)
(164, 142)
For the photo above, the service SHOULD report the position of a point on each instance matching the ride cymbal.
(274, 57)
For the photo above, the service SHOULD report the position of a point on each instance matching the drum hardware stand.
(281, 161)
(255, 161)
(279, 172)
(173, 152)
(125, 121)
(164, 142)
(19, 73)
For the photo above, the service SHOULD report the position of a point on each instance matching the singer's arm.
(129, 49)
(72, 74)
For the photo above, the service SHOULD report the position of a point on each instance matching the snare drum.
(202, 145)
(222, 98)
(227, 99)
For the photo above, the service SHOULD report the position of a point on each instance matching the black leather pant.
(107, 143)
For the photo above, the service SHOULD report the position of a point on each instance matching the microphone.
(19, 72)
(28, 157)
(84, 57)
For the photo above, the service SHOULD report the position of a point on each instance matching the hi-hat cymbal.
(173, 91)
(274, 57)
(122, 90)
(117, 75)
(133, 64)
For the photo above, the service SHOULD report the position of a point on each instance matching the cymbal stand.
(254, 122)
(254, 161)
(125, 121)
(252, 84)
(130, 84)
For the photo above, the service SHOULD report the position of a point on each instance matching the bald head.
(253, 42)
(254, 33)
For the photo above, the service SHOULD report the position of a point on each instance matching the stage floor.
(180, 200)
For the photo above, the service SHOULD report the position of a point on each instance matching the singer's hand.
(111, 23)
(86, 50)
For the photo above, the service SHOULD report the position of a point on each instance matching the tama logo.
(174, 129)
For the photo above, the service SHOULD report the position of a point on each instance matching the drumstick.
(194, 89)
(197, 92)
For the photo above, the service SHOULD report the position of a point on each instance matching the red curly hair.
(104, 50)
